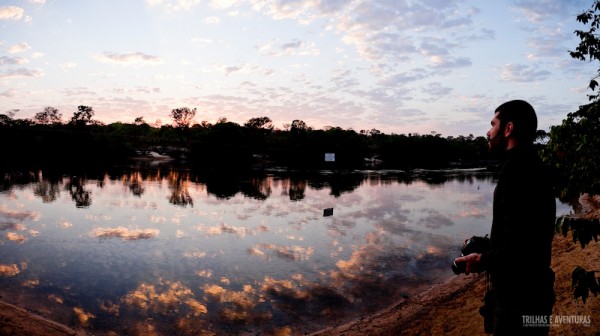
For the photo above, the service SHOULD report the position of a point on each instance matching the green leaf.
(559, 222)
(579, 284)
(565, 226)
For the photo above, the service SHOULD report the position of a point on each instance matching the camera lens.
(458, 268)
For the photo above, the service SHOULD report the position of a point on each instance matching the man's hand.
(472, 263)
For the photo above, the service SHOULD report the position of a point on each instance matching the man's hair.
(523, 117)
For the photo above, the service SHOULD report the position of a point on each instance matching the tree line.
(47, 139)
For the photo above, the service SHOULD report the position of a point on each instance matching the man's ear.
(509, 129)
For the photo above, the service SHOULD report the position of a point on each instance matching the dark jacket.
(524, 212)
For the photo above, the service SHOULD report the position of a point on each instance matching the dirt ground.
(451, 308)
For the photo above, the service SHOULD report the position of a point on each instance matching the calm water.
(165, 252)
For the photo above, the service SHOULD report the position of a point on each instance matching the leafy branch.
(582, 229)
(583, 282)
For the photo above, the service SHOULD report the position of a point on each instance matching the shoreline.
(452, 307)
(17, 321)
(448, 308)
(408, 316)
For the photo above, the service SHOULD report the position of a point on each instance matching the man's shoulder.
(525, 164)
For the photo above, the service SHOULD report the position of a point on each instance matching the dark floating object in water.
(328, 212)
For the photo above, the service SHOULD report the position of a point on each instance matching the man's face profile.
(496, 138)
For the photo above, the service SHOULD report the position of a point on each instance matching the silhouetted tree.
(183, 116)
(83, 116)
(5, 120)
(298, 126)
(50, 115)
(260, 122)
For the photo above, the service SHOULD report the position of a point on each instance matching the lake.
(157, 250)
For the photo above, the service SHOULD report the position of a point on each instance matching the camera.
(474, 244)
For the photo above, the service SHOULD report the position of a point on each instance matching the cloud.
(20, 47)
(523, 73)
(15, 237)
(404, 77)
(538, 11)
(9, 270)
(66, 224)
(137, 58)
(201, 41)
(231, 69)
(10, 93)
(175, 5)
(82, 316)
(39, 2)
(79, 91)
(11, 13)
(294, 9)
(18, 215)
(292, 48)
(68, 65)
(212, 20)
(165, 297)
(304, 11)
(153, 3)
(5, 60)
(223, 4)
(125, 233)
(437, 89)
(22, 72)
(238, 230)
(195, 254)
(435, 220)
(236, 305)
(204, 273)
(12, 226)
(294, 252)
(32, 283)
(449, 62)
(343, 79)
(550, 44)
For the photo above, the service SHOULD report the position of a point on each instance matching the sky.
(398, 66)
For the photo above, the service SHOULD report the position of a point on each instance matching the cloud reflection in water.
(125, 233)
(253, 255)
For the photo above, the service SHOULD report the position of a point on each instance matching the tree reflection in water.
(178, 184)
(134, 181)
(48, 190)
(225, 186)
(76, 188)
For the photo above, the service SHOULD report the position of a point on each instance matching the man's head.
(514, 123)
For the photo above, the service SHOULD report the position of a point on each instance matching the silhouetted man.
(524, 210)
